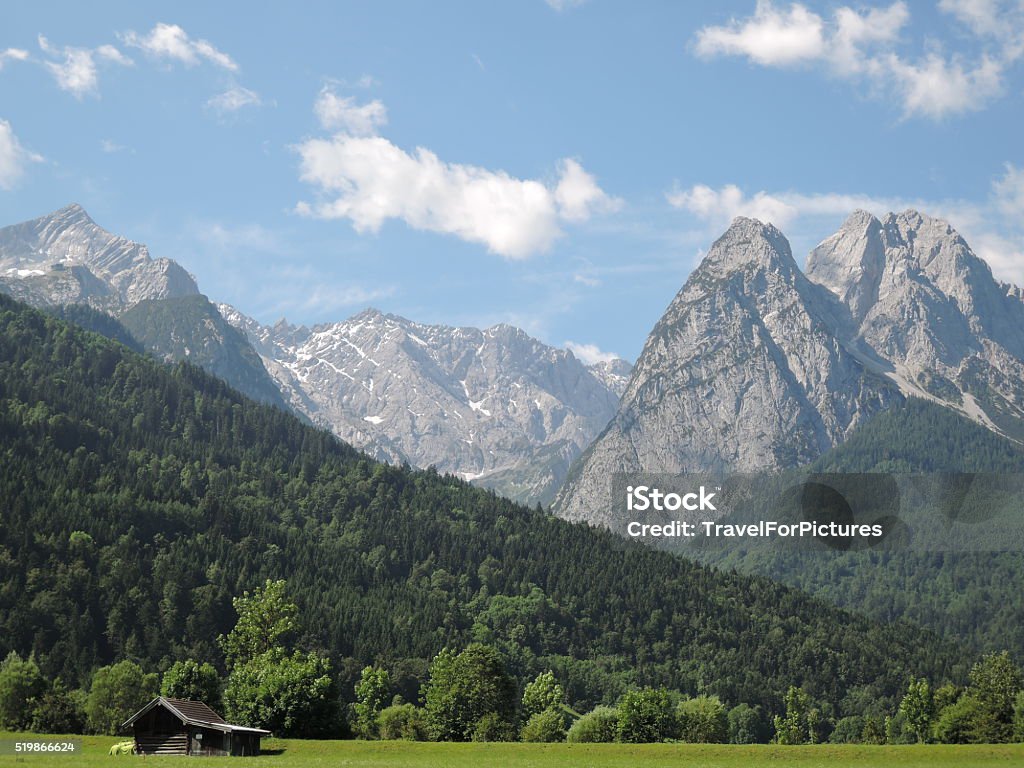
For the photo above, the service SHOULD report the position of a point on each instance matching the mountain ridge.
(494, 405)
(758, 365)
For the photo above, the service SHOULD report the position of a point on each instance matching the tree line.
(470, 695)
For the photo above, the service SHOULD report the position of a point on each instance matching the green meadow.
(295, 753)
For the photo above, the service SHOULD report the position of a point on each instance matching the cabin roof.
(192, 713)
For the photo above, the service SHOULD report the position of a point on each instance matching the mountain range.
(757, 365)
(494, 406)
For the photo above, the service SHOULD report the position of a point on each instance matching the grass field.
(284, 753)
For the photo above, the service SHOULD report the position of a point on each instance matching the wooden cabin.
(180, 727)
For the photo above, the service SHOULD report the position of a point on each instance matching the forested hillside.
(138, 499)
(975, 598)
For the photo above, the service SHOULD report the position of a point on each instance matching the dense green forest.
(138, 499)
(976, 598)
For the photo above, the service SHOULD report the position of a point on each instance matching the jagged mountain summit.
(744, 371)
(66, 258)
(756, 365)
(495, 406)
(930, 310)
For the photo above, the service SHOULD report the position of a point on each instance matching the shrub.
(748, 725)
(59, 711)
(646, 716)
(491, 727)
(547, 726)
(849, 730)
(702, 720)
(402, 721)
(958, 723)
(597, 727)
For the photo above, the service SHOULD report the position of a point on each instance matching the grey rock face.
(932, 312)
(66, 258)
(495, 406)
(755, 366)
(745, 371)
(614, 374)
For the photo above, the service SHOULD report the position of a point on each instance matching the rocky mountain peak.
(749, 244)
(65, 257)
(850, 263)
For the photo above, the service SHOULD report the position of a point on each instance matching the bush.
(402, 721)
(491, 727)
(597, 727)
(874, 730)
(849, 730)
(748, 725)
(958, 723)
(702, 720)
(59, 711)
(646, 716)
(898, 730)
(547, 726)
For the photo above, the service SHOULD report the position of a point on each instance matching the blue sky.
(557, 165)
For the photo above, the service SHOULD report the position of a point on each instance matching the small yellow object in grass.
(123, 748)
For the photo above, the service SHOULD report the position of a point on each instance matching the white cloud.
(980, 16)
(588, 354)
(234, 99)
(935, 87)
(859, 45)
(720, 206)
(769, 37)
(1009, 193)
(12, 54)
(578, 196)
(13, 157)
(75, 69)
(110, 53)
(993, 228)
(169, 41)
(370, 180)
(342, 113)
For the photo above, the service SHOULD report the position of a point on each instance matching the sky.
(560, 165)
